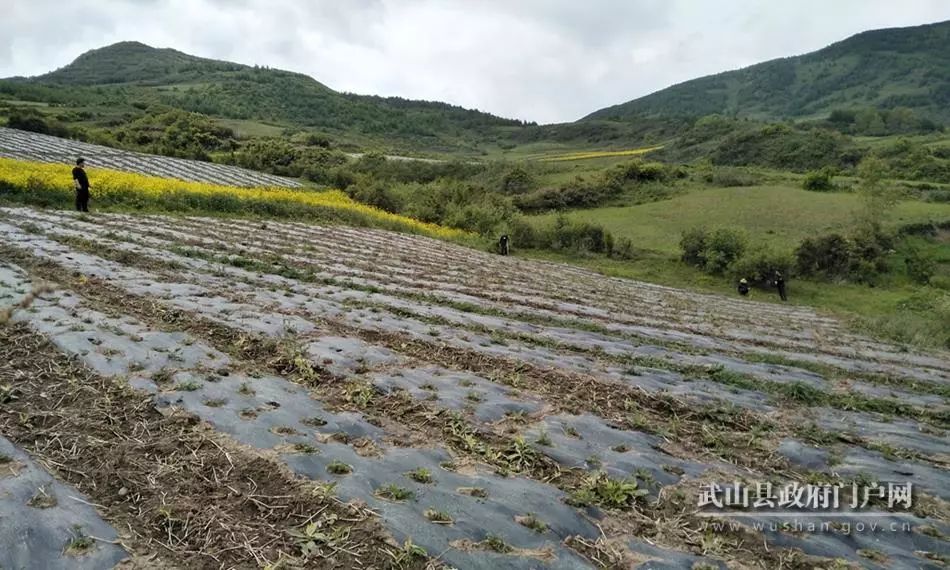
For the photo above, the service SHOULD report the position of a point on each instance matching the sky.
(538, 60)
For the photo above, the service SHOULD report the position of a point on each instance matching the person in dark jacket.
(81, 182)
(743, 287)
(780, 285)
(503, 245)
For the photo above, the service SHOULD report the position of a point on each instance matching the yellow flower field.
(110, 187)
(601, 154)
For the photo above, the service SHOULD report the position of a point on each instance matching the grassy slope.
(890, 67)
(779, 215)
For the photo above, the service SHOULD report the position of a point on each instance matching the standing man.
(503, 245)
(81, 182)
(780, 284)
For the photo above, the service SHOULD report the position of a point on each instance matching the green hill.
(130, 77)
(889, 68)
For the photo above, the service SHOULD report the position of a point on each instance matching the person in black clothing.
(81, 182)
(503, 245)
(743, 287)
(780, 284)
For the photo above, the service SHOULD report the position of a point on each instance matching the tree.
(878, 196)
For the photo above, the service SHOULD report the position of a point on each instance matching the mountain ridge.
(910, 68)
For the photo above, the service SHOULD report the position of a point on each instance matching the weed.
(543, 439)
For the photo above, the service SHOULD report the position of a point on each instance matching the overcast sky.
(541, 60)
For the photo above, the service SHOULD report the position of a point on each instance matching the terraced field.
(227, 393)
(23, 145)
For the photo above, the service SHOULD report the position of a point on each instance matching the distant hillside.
(897, 67)
(134, 76)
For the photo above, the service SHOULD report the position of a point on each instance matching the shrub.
(522, 233)
(819, 180)
(920, 266)
(728, 177)
(760, 266)
(623, 249)
(723, 248)
(693, 244)
(830, 255)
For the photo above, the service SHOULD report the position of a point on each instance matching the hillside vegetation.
(130, 77)
(899, 67)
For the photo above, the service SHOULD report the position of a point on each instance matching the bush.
(522, 234)
(712, 252)
(730, 177)
(830, 255)
(760, 266)
(723, 249)
(693, 244)
(920, 266)
(819, 180)
(623, 249)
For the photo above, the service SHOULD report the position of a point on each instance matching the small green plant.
(407, 554)
(245, 389)
(520, 455)
(215, 402)
(188, 386)
(421, 475)
(473, 492)
(395, 493)
(42, 499)
(533, 522)
(497, 543)
(438, 517)
(361, 395)
(473, 396)
(339, 468)
(324, 490)
(543, 439)
(600, 489)
(315, 422)
(305, 448)
(80, 543)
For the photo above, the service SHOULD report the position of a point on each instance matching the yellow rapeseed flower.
(110, 186)
(601, 154)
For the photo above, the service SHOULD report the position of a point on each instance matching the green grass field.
(781, 215)
(777, 215)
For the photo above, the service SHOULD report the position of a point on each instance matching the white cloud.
(544, 60)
